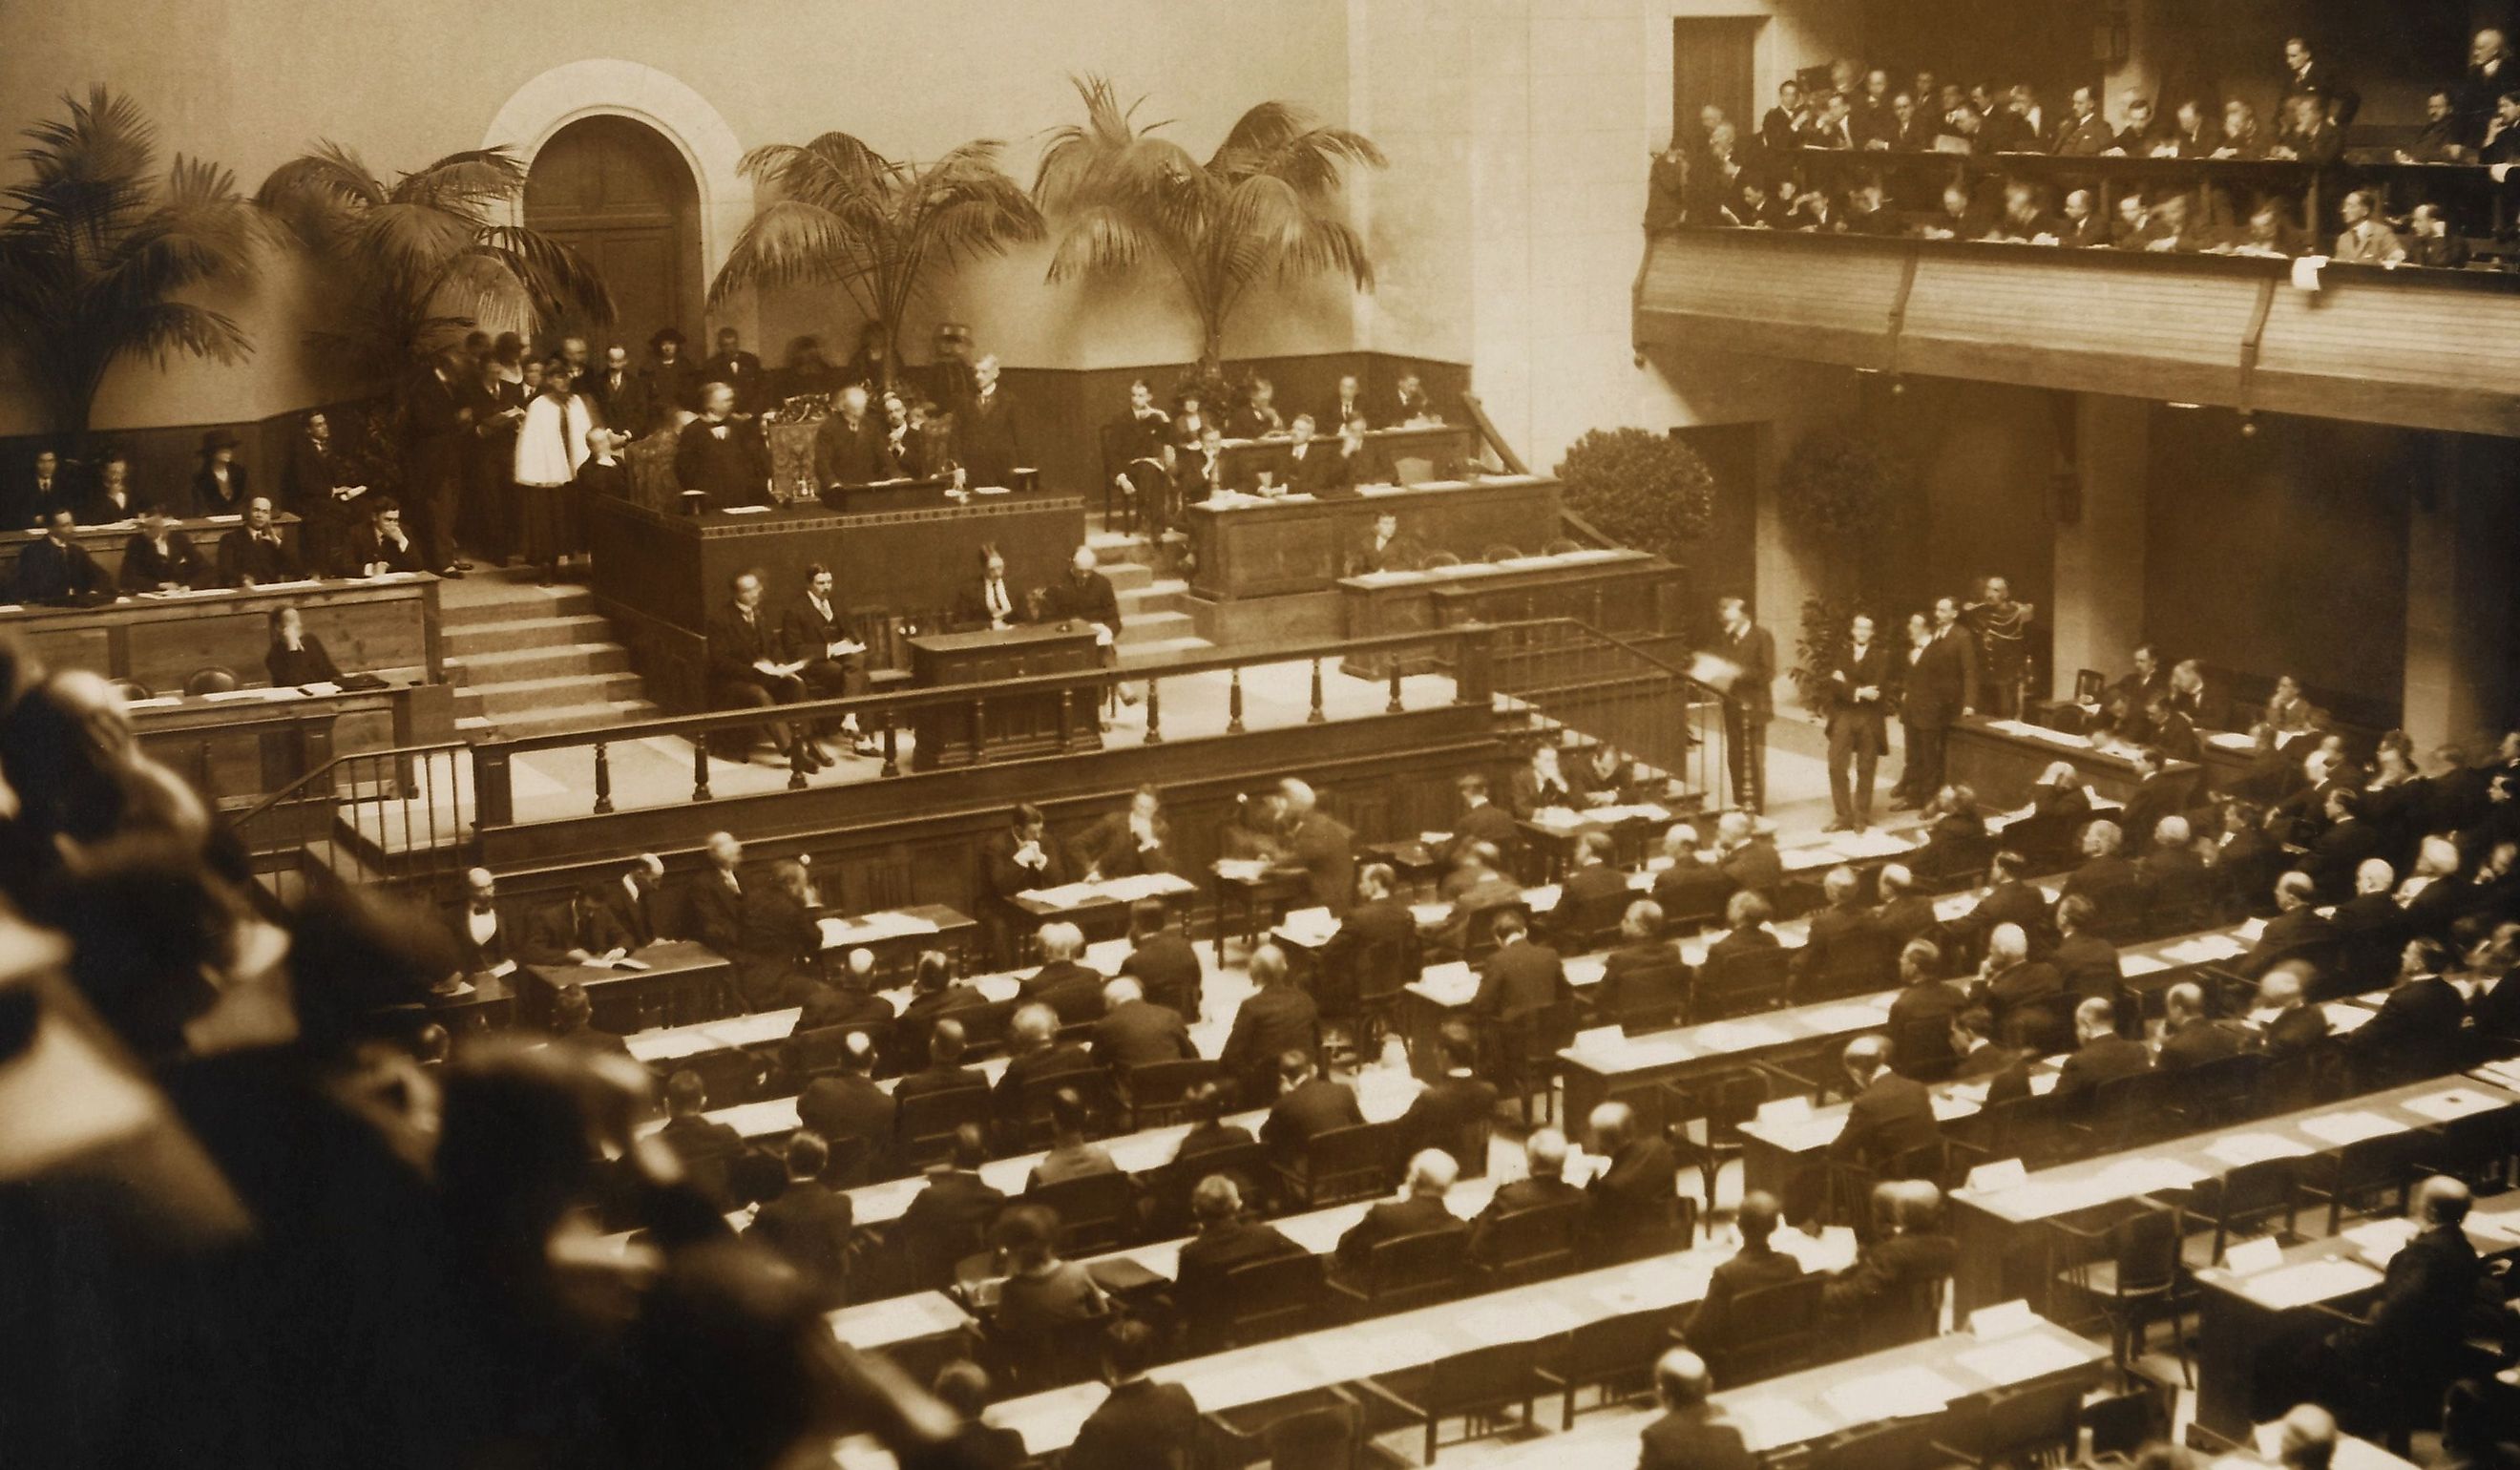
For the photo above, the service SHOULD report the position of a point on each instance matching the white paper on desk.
(2312, 1281)
(222, 697)
(320, 686)
(1242, 1380)
(745, 510)
(2344, 1019)
(2252, 1148)
(2378, 1240)
(1830, 1019)
(1146, 885)
(1736, 1036)
(2507, 1073)
(2452, 1102)
(1525, 1320)
(1899, 1394)
(2231, 739)
(1065, 896)
(2306, 269)
(2021, 1360)
(668, 1045)
(2351, 1127)
(1775, 1423)
(504, 968)
(153, 701)
(1602, 1040)
(2002, 1173)
(2247, 1258)
(2003, 1319)
(1785, 1112)
(1427, 914)
(2043, 1083)
(1961, 1102)
(2144, 1176)
(1242, 870)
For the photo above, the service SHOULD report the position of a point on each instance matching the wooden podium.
(997, 725)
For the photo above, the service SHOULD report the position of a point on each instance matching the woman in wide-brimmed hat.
(220, 486)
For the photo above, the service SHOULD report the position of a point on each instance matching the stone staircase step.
(531, 697)
(509, 665)
(510, 634)
(494, 600)
(1155, 628)
(1127, 576)
(1156, 652)
(548, 719)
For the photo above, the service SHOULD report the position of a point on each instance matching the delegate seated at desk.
(297, 657)
(253, 553)
(989, 601)
(383, 545)
(161, 558)
(58, 570)
(1387, 550)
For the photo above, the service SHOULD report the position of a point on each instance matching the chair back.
(1414, 1270)
(1500, 550)
(2027, 1425)
(1156, 1091)
(1652, 998)
(1247, 1164)
(1272, 1298)
(1093, 1086)
(1742, 984)
(731, 1076)
(2145, 1249)
(2127, 1110)
(925, 1122)
(2046, 839)
(1527, 1245)
(1411, 468)
(214, 680)
(984, 1027)
(1771, 1329)
(1321, 1437)
(1897, 1444)
(1442, 558)
(1096, 1211)
(1560, 546)
(2220, 1092)
(1859, 964)
(1357, 1162)
(1481, 1378)
(1384, 968)
(1953, 860)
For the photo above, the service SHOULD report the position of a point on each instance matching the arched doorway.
(618, 192)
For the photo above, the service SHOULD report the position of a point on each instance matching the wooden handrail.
(1504, 454)
(296, 790)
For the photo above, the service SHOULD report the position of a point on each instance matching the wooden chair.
(924, 1125)
(1741, 985)
(1616, 1355)
(1898, 1445)
(217, 679)
(1406, 1271)
(1652, 999)
(1500, 550)
(1274, 1298)
(1472, 1387)
(1096, 1211)
(1773, 1329)
(1249, 1165)
(1383, 970)
(1702, 1117)
(1322, 1430)
(1092, 1086)
(2040, 1424)
(1560, 546)
(2130, 1271)
(1342, 1164)
(817, 1054)
(1532, 1244)
(1858, 964)
(1156, 1092)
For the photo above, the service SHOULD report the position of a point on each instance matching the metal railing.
(1615, 692)
(404, 815)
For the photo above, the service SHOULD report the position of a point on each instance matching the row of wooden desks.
(2001, 760)
(240, 746)
(1992, 1226)
(388, 626)
(1611, 588)
(103, 540)
(1250, 546)
(2247, 1306)
(1311, 1362)
(1437, 448)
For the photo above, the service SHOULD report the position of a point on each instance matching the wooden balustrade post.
(1395, 706)
(602, 778)
(891, 745)
(1154, 712)
(1233, 703)
(493, 798)
(1473, 674)
(700, 768)
(797, 759)
(979, 730)
(1315, 715)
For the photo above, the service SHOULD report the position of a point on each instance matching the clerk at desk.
(161, 558)
(58, 569)
(989, 601)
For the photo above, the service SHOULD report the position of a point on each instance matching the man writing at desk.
(160, 558)
(58, 569)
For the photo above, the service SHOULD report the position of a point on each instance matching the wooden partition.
(105, 542)
(381, 625)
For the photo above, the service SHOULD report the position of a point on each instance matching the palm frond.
(464, 183)
(163, 329)
(1099, 239)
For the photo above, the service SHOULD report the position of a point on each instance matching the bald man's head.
(1680, 1379)
(2307, 1440)
(2008, 945)
(1866, 1056)
(2441, 1200)
(1611, 1123)
(1543, 1153)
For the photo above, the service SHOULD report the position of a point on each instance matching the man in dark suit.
(1755, 1264)
(808, 1224)
(2416, 1032)
(1691, 890)
(776, 941)
(1141, 1424)
(1942, 687)
(1874, 1298)
(1746, 932)
(1920, 1022)
(1857, 678)
(1345, 404)
(712, 905)
(1275, 1019)
(1128, 843)
(2176, 881)
(986, 442)
(46, 488)
(577, 930)
(381, 545)
(1631, 1196)
(55, 570)
(1065, 982)
(848, 447)
(944, 1072)
(2108, 880)
(1378, 925)
(482, 945)
(2156, 795)
(1225, 1241)
(720, 457)
(1842, 926)
(1135, 1032)
(2088, 964)
(1022, 858)
(1887, 1114)
(1481, 820)
(2027, 995)
(2305, 76)
(1162, 959)
(619, 394)
(706, 1147)
(1454, 1111)
(745, 672)
(1522, 980)
(1747, 856)
(737, 370)
(1034, 1051)
(1318, 844)
(846, 1105)
(2412, 1337)
(1749, 701)
(437, 432)
(572, 1024)
(1592, 889)
(1387, 549)
(1307, 1104)
(948, 1218)
(990, 600)
(1086, 595)
(2287, 1024)
(2189, 1038)
(1543, 1185)
(2011, 899)
(637, 900)
(1418, 1209)
(847, 999)
(668, 381)
(2298, 929)
(252, 554)
(1982, 1059)
(2340, 849)
(1691, 1432)
(832, 662)
(2102, 1054)
(161, 558)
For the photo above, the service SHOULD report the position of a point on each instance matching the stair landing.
(527, 659)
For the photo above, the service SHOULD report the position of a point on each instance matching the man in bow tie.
(986, 442)
(720, 460)
(252, 554)
(993, 601)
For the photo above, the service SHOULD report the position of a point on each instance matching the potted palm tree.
(1265, 205)
(420, 262)
(842, 215)
(96, 247)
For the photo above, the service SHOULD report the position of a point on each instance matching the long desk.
(1991, 1223)
(104, 542)
(1612, 589)
(2002, 759)
(1310, 1361)
(1041, 722)
(1444, 449)
(240, 746)
(387, 626)
(2244, 1313)
(1255, 545)
(659, 577)
(1917, 1380)
(684, 982)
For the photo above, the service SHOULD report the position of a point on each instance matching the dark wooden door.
(617, 192)
(1713, 59)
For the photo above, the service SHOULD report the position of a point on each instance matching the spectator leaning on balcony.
(2309, 134)
(2243, 138)
(2142, 133)
(2432, 243)
(2367, 238)
(2500, 141)
(2085, 133)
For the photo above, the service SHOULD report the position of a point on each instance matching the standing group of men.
(1961, 659)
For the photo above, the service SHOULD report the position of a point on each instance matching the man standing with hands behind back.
(1856, 733)
(1749, 703)
(1942, 686)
